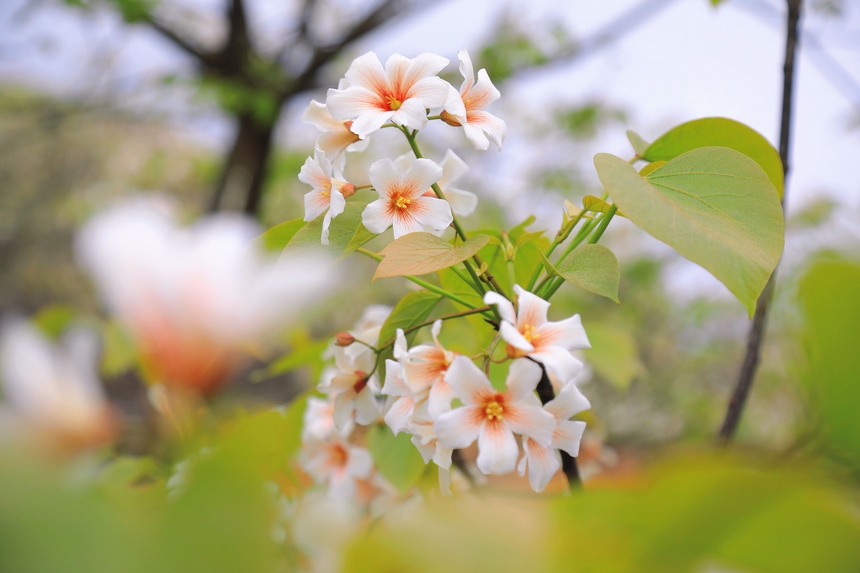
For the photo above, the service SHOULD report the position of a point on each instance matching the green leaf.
(277, 238)
(722, 132)
(414, 308)
(422, 253)
(637, 142)
(713, 205)
(119, 353)
(651, 167)
(396, 457)
(591, 267)
(614, 354)
(828, 293)
(598, 205)
(52, 320)
(346, 234)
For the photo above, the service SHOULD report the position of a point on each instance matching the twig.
(756, 333)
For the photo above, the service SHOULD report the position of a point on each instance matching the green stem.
(466, 279)
(413, 143)
(422, 283)
(603, 224)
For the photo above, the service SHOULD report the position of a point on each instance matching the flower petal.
(463, 203)
(439, 401)
(424, 66)
(431, 92)
(366, 71)
(353, 102)
(369, 122)
(482, 93)
(558, 360)
(432, 212)
(366, 407)
(467, 380)
(495, 128)
(531, 421)
(513, 337)
(411, 114)
(315, 204)
(567, 403)
(568, 435)
(459, 428)
(343, 409)
(399, 414)
(523, 378)
(567, 333)
(452, 169)
(420, 176)
(376, 217)
(476, 137)
(426, 449)
(543, 462)
(313, 171)
(506, 309)
(497, 449)
(385, 178)
(531, 309)
(467, 70)
(395, 384)
(318, 115)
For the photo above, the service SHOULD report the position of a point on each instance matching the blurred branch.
(187, 46)
(756, 333)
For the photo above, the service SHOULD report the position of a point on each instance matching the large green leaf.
(346, 234)
(718, 131)
(413, 309)
(396, 457)
(593, 268)
(279, 236)
(713, 205)
(422, 253)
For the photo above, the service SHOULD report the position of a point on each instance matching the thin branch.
(204, 57)
(756, 333)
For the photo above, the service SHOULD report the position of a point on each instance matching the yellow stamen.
(402, 202)
(394, 104)
(529, 333)
(494, 410)
(324, 193)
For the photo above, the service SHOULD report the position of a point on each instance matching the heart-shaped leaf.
(279, 236)
(723, 132)
(713, 205)
(346, 234)
(422, 253)
(590, 267)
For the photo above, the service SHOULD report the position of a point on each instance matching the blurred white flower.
(54, 391)
(367, 328)
(319, 420)
(337, 464)
(401, 202)
(336, 136)
(195, 299)
(466, 107)
(529, 333)
(354, 388)
(399, 93)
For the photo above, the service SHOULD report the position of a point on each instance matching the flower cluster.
(413, 195)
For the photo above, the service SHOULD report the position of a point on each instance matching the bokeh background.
(101, 99)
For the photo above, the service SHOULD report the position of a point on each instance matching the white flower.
(466, 108)
(319, 420)
(329, 192)
(367, 328)
(336, 136)
(400, 405)
(399, 93)
(194, 298)
(353, 387)
(424, 438)
(425, 368)
(462, 202)
(401, 203)
(529, 333)
(338, 464)
(493, 417)
(542, 462)
(54, 391)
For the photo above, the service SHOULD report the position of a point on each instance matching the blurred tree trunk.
(243, 174)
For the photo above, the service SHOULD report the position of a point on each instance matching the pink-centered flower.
(329, 192)
(353, 387)
(492, 417)
(338, 464)
(463, 203)
(336, 136)
(466, 107)
(401, 203)
(541, 461)
(424, 369)
(529, 333)
(400, 92)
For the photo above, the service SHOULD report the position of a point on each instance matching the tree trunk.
(240, 185)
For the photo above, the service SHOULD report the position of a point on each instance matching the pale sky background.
(689, 61)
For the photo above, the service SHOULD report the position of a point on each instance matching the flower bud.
(343, 339)
(347, 190)
(449, 119)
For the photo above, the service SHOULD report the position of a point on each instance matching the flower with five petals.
(466, 107)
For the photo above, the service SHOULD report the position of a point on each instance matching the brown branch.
(755, 338)
(201, 55)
